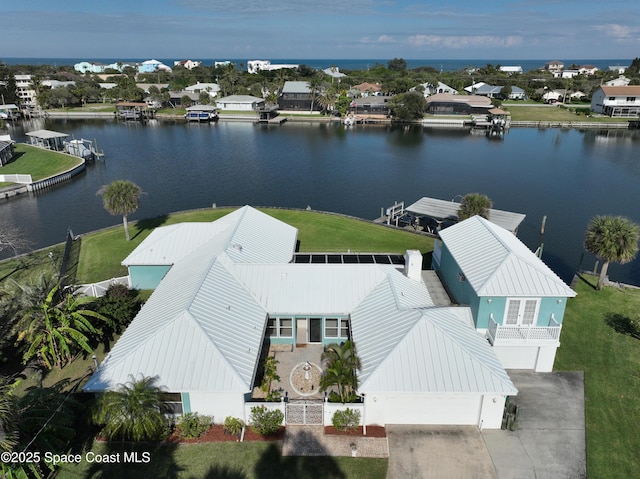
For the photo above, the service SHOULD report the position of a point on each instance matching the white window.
(336, 328)
(280, 327)
(521, 311)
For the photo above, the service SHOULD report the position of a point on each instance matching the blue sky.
(341, 29)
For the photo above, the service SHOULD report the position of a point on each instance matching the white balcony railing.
(498, 333)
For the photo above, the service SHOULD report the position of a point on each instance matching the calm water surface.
(567, 175)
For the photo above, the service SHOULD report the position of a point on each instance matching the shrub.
(233, 426)
(265, 421)
(192, 425)
(346, 420)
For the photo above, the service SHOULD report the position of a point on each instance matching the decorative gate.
(304, 412)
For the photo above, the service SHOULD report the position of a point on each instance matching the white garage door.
(436, 409)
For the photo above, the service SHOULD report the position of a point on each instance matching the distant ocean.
(342, 64)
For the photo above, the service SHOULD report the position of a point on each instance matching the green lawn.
(39, 163)
(230, 460)
(590, 342)
(541, 112)
(101, 253)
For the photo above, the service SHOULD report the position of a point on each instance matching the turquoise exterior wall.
(147, 277)
(481, 307)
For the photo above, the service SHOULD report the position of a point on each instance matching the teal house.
(516, 300)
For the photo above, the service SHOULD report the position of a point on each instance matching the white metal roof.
(296, 87)
(440, 353)
(496, 263)
(441, 209)
(203, 327)
(46, 134)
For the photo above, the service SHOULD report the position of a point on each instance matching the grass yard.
(540, 112)
(102, 252)
(255, 460)
(591, 342)
(39, 163)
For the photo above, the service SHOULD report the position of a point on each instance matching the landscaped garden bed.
(217, 434)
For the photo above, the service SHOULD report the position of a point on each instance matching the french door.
(521, 311)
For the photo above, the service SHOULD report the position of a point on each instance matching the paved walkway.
(311, 441)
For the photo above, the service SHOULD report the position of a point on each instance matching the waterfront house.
(371, 107)
(150, 66)
(493, 91)
(25, 90)
(254, 66)
(239, 102)
(447, 104)
(297, 96)
(516, 300)
(620, 81)
(429, 89)
(188, 64)
(6, 150)
(225, 291)
(588, 70)
(511, 69)
(365, 89)
(617, 101)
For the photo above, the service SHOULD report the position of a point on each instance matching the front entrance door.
(301, 331)
(315, 330)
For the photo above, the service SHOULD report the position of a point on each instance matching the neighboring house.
(617, 101)
(430, 89)
(254, 66)
(211, 88)
(240, 102)
(145, 86)
(176, 97)
(371, 107)
(97, 67)
(227, 289)
(366, 89)
(566, 74)
(493, 91)
(552, 96)
(554, 66)
(620, 81)
(296, 95)
(588, 70)
(188, 64)
(447, 104)
(6, 150)
(620, 69)
(334, 73)
(25, 90)
(150, 66)
(514, 297)
(511, 69)
(56, 83)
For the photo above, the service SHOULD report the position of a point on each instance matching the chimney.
(413, 264)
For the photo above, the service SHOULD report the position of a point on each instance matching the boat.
(82, 148)
(350, 121)
(201, 113)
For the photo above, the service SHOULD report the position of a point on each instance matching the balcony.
(501, 334)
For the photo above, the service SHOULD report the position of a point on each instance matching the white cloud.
(622, 33)
(464, 41)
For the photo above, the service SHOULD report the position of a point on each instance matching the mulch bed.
(216, 434)
(372, 431)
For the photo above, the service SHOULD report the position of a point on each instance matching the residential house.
(334, 73)
(150, 66)
(371, 107)
(617, 101)
(239, 102)
(429, 89)
(447, 104)
(515, 299)
(495, 91)
(566, 73)
(554, 66)
(588, 70)
(25, 90)
(620, 69)
(98, 67)
(226, 290)
(56, 83)
(366, 89)
(188, 64)
(296, 95)
(211, 88)
(254, 66)
(511, 69)
(620, 81)
(6, 150)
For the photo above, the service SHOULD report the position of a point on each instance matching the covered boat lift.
(432, 213)
(201, 113)
(51, 140)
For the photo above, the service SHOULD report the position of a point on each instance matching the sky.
(319, 29)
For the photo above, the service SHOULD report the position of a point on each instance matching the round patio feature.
(305, 378)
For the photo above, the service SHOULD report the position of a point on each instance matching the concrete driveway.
(549, 442)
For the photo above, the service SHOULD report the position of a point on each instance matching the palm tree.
(315, 84)
(133, 412)
(121, 197)
(341, 366)
(473, 204)
(8, 431)
(59, 330)
(611, 238)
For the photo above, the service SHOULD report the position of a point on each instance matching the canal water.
(567, 175)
